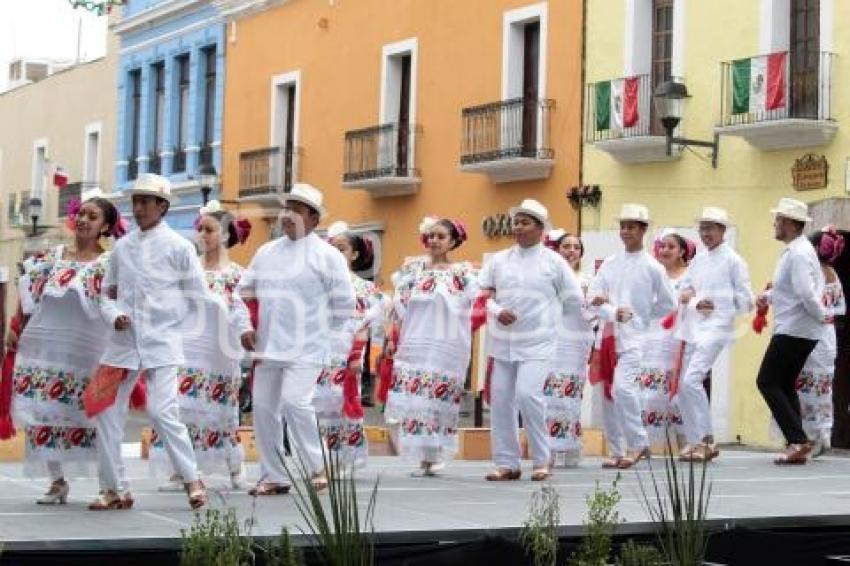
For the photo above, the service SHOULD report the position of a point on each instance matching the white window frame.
(90, 129)
(390, 92)
(39, 189)
(513, 22)
(637, 44)
(277, 131)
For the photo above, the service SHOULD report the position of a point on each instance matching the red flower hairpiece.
(243, 229)
(831, 244)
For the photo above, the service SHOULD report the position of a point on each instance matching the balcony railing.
(178, 165)
(154, 163)
(379, 152)
(516, 128)
(70, 192)
(132, 168)
(619, 108)
(266, 171)
(205, 156)
(777, 86)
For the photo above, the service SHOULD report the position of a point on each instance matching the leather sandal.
(262, 489)
(319, 481)
(503, 474)
(198, 496)
(794, 455)
(111, 501)
(686, 452)
(540, 474)
(612, 463)
(636, 457)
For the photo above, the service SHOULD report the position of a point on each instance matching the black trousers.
(783, 360)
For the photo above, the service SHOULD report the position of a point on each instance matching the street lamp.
(35, 213)
(207, 178)
(670, 97)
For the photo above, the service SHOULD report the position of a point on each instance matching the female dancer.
(61, 344)
(564, 386)
(209, 381)
(433, 304)
(337, 398)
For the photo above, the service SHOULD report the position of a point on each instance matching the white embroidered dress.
(814, 385)
(662, 351)
(210, 378)
(564, 386)
(435, 307)
(57, 353)
(342, 433)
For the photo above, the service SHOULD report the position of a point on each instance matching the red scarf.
(603, 361)
(385, 368)
(351, 404)
(760, 320)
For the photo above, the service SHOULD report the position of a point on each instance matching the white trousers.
(693, 400)
(624, 416)
(285, 391)
(518, 385)
(164, 412)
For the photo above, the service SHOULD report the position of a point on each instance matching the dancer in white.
(799, 319)
(433, 304)
(663, 350)
(337, 398)
(716, 289)
(564, 385)
(61, 344)
(211, 376)
(530, 287)
(153, 274)
(814, 385)
(305, 297)
(630, 291)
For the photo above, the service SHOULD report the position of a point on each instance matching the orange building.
(399, 109)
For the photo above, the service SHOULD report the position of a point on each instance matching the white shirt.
(719, 275)
(537, 285)
(305, 296)
(157, 273)
(797, 293)
(637, 281)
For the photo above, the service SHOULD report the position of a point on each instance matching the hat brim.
(726, 223)
(514, 210)
(295, 198)
(644, 221)
(777, 212)
(146, 193)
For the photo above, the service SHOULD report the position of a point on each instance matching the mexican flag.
(617, 104)
(758, 83)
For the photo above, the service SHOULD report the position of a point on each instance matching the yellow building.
(766, 77)
(399, 109)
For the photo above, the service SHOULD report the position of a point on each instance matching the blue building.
(170, 91)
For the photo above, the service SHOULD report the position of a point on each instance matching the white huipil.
(814, 385)
(305, 298)
(663, 353)
(434, 307)
(564, 384)
(157, 274)
(210, 378)
(633, 280)
(341, 433)
(719, 275)
(537, 285)
(58, 350)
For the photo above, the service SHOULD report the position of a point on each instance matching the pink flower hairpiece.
(831, 244)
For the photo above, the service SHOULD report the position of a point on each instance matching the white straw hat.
(793, 209)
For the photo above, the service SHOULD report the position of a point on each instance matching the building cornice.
(235, 9)
(157, 14)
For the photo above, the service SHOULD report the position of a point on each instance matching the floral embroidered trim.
(206, 386)
(563, 428)
(50, 384)
(204, 438)
(60, 438)
(428, 385)
(223, 282)
(348, 435)
(563, 385)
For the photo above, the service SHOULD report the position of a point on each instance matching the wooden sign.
(810, 172)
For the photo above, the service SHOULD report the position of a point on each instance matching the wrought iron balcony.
(620, 120)
(178, 163)
(267, 173)
(382, 159)
(205, 155)
(780, 100)
(154, 163)
(508, 140)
